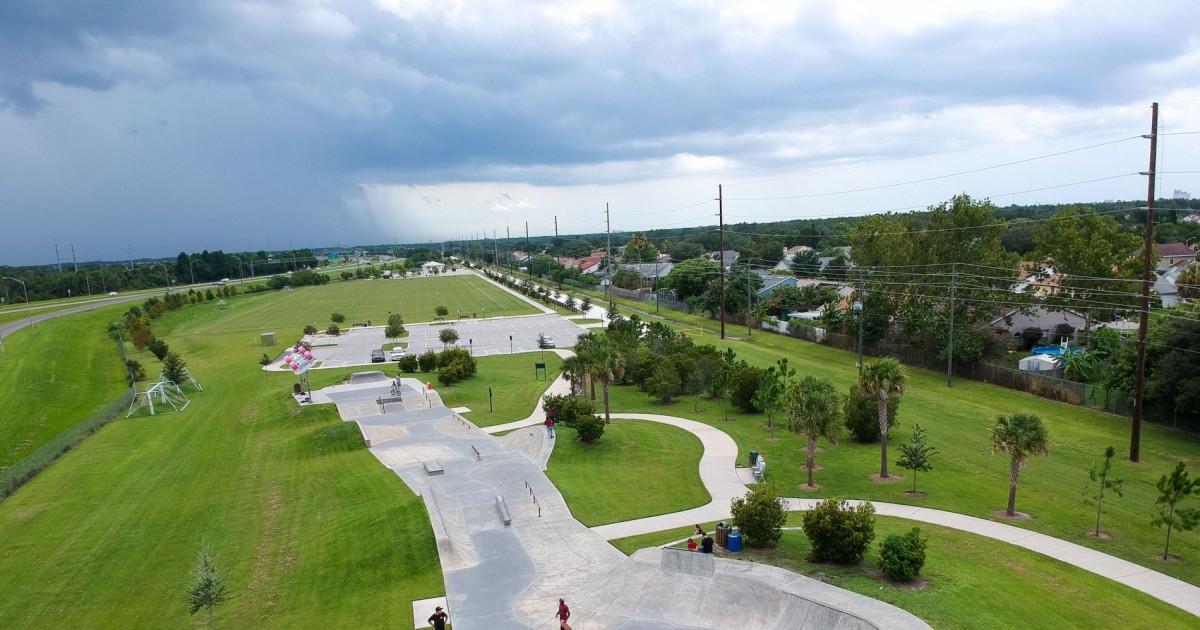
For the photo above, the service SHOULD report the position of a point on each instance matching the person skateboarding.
(438, 619)
(563, 614)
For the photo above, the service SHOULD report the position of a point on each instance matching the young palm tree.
(606, 364)
(583, 348)
(813, 410)
(883, 378)
(573, 370)
(1020, 435)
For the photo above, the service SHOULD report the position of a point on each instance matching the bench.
(760, 468)
(505, 516)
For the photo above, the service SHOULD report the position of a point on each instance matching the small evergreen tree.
(208, 589)
(174, 368)
(265, 360)
(613, 312)
(665, 383)
(586, 304)
(1101, 476)
(760, 515)
(395, 326)
(1173, 489)
(158, 348)
(916, 453)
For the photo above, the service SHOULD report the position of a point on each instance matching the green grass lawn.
(972, 582)
(288, 312)
(54, 375)
(636, 469)
(511, 379)
(307, 527)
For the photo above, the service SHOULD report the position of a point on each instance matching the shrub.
(589, 428)
(408, 363)
(451, 373)
(333, 330)
(157, 347)
(427, 361)
(136, 370)
(902, 557)
(310, 330)
(838, 532)
(568, 409)
(441, 311)
(862, 415)
(760, 515)
(458, 355)
(337, 318)
(665, 384)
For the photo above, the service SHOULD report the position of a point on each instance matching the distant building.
(1182, 194)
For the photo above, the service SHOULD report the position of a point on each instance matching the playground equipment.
(163, 393)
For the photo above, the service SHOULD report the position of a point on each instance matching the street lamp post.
(28, 308)
(241, 278)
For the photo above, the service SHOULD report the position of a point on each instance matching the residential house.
(1174, 253)
(789, 255)
(650, 272)
(1037, 279)
(727, 257)
(773, 281)
(1015, 322)
(1165, 285)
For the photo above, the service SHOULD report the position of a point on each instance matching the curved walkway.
(720, 477)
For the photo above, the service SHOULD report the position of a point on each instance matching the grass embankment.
(54, 375)
(515, 392)
(305, 525)
(414, 299)
(972, 582)
(637, 469)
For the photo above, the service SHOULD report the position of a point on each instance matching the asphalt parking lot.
(483, 337)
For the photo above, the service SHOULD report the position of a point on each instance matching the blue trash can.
(735, 542)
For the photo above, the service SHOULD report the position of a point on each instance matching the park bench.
(760, 468)
(505, 516)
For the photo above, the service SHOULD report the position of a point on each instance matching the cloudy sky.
(157, 126)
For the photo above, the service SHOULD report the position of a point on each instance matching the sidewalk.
(724, 483)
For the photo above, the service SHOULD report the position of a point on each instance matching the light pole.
(241, 278)
(28, 308)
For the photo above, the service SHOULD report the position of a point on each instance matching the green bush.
(408, 363)
(862, 415)
(310, 330)
(760, 515)
(458, 355)
(665, 384)
(589, 428)
(901, 557)
(337, 318)
(333, 330)
(745, 384)
(452, 373)
(135, 368)
(158, 348)
(838, 532)
(568, 409)
(427, 361)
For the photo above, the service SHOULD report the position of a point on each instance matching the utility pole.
(57, 259)
(1139, 382)
(508, 246)
(129, 250)
(608, 267)
(74, 261)
(556, 227)
(748, 303)
(495, 250)
(721, 254)
(950, 353)
(528, 254)
(862, 312)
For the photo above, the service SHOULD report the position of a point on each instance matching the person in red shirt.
(563, 614)
(549, 427)
(691, 544)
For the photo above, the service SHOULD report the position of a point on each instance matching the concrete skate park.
(509, 546)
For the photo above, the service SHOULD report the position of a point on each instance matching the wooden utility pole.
(1139, 381)
(950, 354)
(528, 254)
(721, 254)
(608, 265)
(556, 227)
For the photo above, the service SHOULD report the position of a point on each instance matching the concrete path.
(724, 482)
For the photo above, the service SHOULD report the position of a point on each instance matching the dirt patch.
(1017, 516)
(1101, 536)
(1169, 560)
(807, 488)
(918, 584)
(915, 495)
(889, 479)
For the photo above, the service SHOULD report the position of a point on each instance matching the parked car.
(397, 354)
(377, 356)
(545, 342)
(112, 293)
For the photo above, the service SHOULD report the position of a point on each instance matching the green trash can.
(735, 542)
(753, 458)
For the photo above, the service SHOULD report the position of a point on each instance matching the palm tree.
(606, 364)
(583, 348)
(1020, 435)
(883, 378)
(574, 370)
(813, 410)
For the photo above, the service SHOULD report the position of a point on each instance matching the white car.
(112, 293)
(397, 354)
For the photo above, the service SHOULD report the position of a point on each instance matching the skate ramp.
(530, 442)
(359, 378)
(677, 588)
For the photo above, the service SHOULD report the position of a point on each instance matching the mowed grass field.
(305, 525)
(54, 375)
(288, 312)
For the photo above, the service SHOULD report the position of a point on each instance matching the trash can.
(723, 530)
(735, 542)
(753, 458)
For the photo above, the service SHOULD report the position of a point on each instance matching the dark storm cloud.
(251, 114)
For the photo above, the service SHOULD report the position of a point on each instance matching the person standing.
(439, 619)
(563, 614)
(549, 427)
